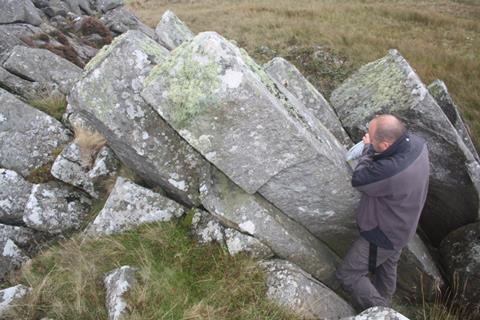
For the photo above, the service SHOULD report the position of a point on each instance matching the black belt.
(372, 258)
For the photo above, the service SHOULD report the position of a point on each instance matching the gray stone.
(12, 35)
(171, 31)
(206, 228)
(108, 97)
(19, 11)
(418, 275)
(238, 242)
(227, 108)
(41, 65)
(439, 92)
(26, 89)
(11, 258)
(287, 77)
(130, 205)
(70, 167)
(253, 215)
(27, 136)
(14, 193)
(378, 313)
(23, 237)
(390, 85)
(107, 5)
(291, 287)
(54, 8)
(120, 20)
(11, 296)
(460, 256)
(56, 208)
(76, 6)
(117, 284)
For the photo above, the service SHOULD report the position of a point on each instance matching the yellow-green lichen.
(103, 53)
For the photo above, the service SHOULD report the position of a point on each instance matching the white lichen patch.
(247, 226)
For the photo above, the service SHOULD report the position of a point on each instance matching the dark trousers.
(368, 291)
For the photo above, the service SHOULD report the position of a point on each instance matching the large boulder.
(56, 208)
(117, 283)
(43, 66)
(253, 215)
(19, 11)
(27, 136)
(108, 97)
(378, 313)
(130, 205)
(460, 256)
(287, 77)
(120, 20)
(11, 296)
(291, 287)
(390, 85)
(216, 97)
(171, 31)
(14, 193)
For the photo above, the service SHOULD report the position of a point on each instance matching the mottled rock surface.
(287, 77)
(27, 136)
(117, 284)
(106, 5)
(12, 35)
(108, 97)
(206, 228)
(14, 193)
(390, 85)
(130, 205)
(171, 31)
(238, 242)
(378, 313)
(21, 236)
(11, 257)
(9, 296)
(19, 11)
(120, 20)
(56, 208)
(291, 287)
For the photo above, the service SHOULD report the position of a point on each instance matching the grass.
(54, 106)
(43, 173)
(440, 39)
(89, 142)
(178, 279)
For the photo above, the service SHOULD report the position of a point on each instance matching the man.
(392, 176)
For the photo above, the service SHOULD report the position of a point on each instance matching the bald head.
(384, 130)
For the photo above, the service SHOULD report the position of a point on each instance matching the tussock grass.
(440, 39)
(89, 142)
(54, 106)
(177, 279)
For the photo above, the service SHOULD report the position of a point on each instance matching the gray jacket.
(394, 186)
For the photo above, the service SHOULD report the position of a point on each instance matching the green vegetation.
(43, 173)
(54, 106)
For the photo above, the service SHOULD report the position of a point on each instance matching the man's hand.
(366, 139)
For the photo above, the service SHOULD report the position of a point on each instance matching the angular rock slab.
(206, 228)
(120, 20)
(56, 208)
(460, 256)
(287, 77)
(43, 66)
(238, 242)
(417, 274)
(12, 35)
(19, 11)
(378, 313)
(130, 205)
(69, 167)
(117, 283)
(171, 31)
(14, 193)
(390, 85)
(11, 257)
(27, 136)
(253, 215)
(108, 97)
(291, 287)
(228, 109)
(24, 88)
(9, 296)
(439, 92)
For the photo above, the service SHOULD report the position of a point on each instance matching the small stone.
(117, 283)
(10, 296)
(206, 228)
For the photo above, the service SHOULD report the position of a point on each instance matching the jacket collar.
(402, 144)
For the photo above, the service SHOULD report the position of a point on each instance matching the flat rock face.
(252, 215)
(390, 85)
(287, 77)
(120, 20)
(11, 257)
(206, 228)
(12, 34)
(10, 296)
(460, 256)
(56, 208)
(117, 283)
(108, 97)
(439, 92)
(71, 168)
(27, 135)
(14, 193)
(378, 313)
(290, 286)
(130, 205)
(238, 242)
(24, 88)
(171, 31)
(19, 11)
(417, 273)
(43, 66)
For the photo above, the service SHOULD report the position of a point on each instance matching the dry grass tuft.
(89, 142)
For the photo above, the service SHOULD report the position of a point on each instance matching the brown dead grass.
(89, 142)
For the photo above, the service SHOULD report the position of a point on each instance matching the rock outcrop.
(117, 284)
(14, 193)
